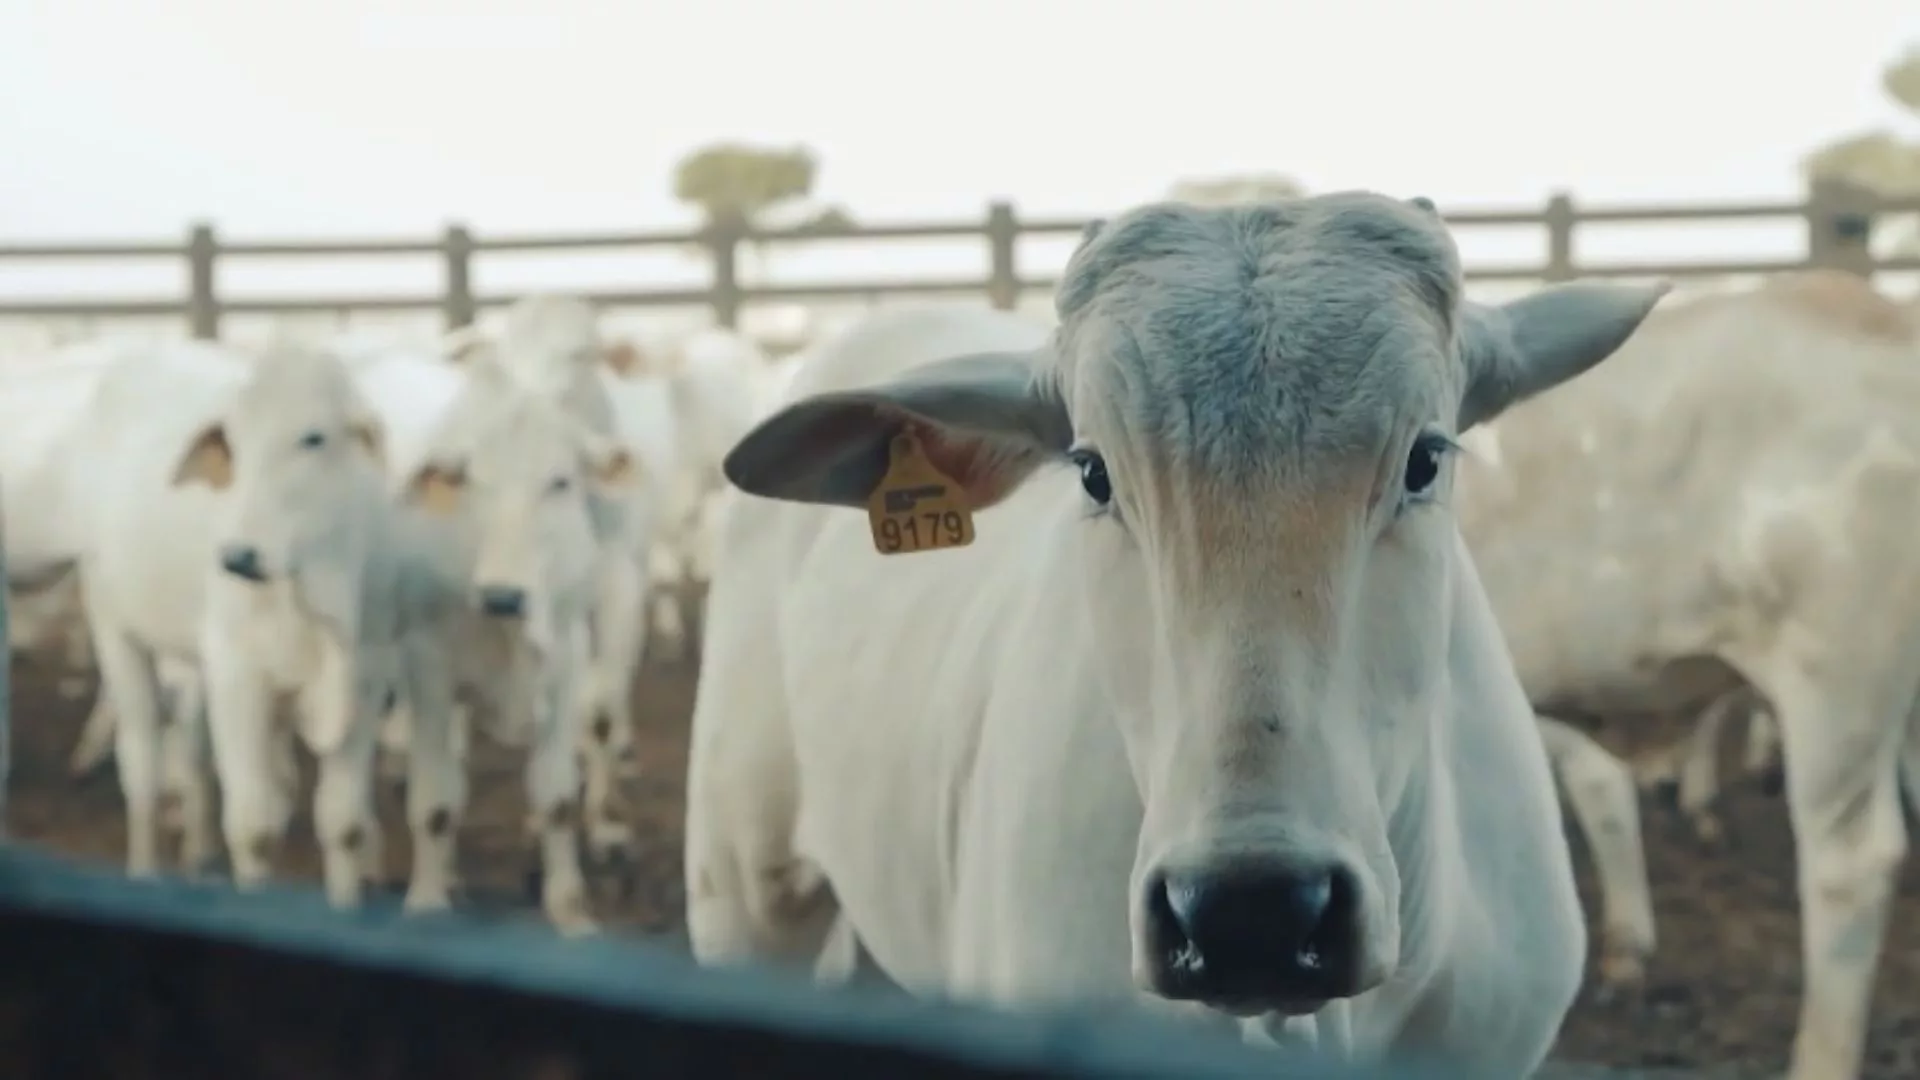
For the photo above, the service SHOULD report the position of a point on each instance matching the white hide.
(42, 397)
(143, 555)
(1731, 503)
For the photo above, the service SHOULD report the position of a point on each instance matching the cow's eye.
(559, 485)
(1093, 476)
(313, 440)
(1423, 464)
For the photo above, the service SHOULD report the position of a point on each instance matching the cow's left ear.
(1516, 350)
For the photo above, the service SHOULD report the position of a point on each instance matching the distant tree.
(1880, 160)
(1232, 189)
(763, 187)
(1901, 79)
(735, 179)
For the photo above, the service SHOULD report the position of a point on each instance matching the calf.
(517, 481)
(310, 586)
(550, 346)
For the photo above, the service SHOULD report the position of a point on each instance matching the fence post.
(1559, 219)
(724, 233)
(458, 306)
(6, 682)
(1840, 226)
(1003, 236)
(203, 306)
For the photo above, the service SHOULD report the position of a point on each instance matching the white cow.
(1731, 503)
(42, 395)
(242, 522)
(44, 399)
(1218, 714)
(41, 399)
(517, 480)
(712, 382)
(551, 345)
(69, 413)
(687, 400)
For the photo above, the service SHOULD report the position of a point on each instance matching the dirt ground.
(1723, 991)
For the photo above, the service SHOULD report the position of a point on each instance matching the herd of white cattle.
(1244, 700)
(401, 541)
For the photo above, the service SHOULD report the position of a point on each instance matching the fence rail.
(105, 976)
(1839, 223)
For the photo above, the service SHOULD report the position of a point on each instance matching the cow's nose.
(1267, 936)
(242, 561)
(503, 600)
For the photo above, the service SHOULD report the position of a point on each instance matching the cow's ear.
(208, 460)
(1526, 346)
(985, 421)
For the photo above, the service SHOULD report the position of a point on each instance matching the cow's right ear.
(459, 346)
(436, 488)
(986, 421)
(208, 460)
(624, 358)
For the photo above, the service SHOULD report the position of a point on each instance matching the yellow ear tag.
(916, 508)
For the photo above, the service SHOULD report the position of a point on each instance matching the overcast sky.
(128, 118)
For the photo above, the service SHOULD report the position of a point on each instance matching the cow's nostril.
(1256, 933)
(503, 600)
(242, 561)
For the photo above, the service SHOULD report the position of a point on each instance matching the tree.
(1234, 189)
(1880, 160)
(762, 187)
(737, 180)
(1901, 80)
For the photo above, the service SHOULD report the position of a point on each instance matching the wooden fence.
(1839, 222)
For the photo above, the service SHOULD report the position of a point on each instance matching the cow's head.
(519, 474)
(297, 449)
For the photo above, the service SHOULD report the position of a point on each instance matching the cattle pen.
(111, 977)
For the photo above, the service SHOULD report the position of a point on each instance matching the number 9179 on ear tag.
(916, 507)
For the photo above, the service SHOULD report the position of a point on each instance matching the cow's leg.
(1762, 756)
(395, 738)
(1910, 765)
(96, 738)
(1600, 789)
(339, 707)
(436, 776)
(620, 637)
(553, 784)
(1844, 800)
(255, 806)
(130, 684)
(1700, 766)
(750, 896)
(666, 570)
(189, 775)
